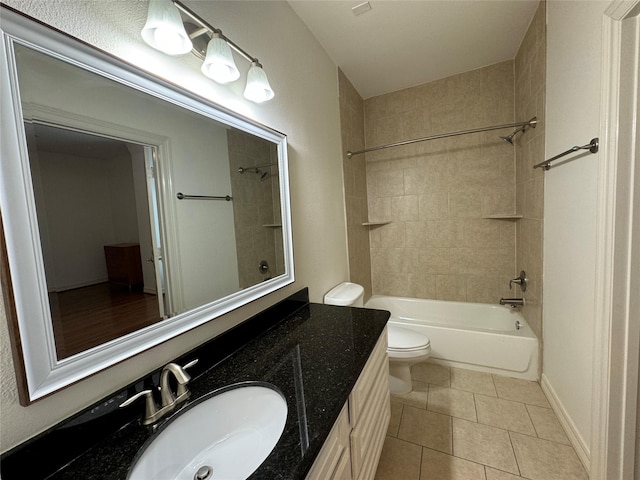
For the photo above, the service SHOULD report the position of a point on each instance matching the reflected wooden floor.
(90, 316)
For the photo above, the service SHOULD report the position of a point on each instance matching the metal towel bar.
(182, 196)
(531, 123)
(592, 146)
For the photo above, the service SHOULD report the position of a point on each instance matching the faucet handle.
(150, 405)
(520, 280)
(182, 386)
(190, 364)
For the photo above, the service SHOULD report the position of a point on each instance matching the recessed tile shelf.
(375, 224)
(504, 216)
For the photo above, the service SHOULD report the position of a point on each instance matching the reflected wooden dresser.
(124, 266)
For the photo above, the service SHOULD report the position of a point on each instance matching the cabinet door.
(334, 460)
(370, 404)
(343, 469)
(362, 391)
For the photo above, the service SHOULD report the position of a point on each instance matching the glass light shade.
(218, 64)
(258, 89)
(164, 30)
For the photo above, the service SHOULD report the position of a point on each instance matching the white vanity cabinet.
(334, 460)
(352, 449)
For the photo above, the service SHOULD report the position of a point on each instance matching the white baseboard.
(578, 443)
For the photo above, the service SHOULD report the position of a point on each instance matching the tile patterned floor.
(464, 425)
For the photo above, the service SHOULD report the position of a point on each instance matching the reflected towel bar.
(592, 146)
(182, 196)
(256, 168)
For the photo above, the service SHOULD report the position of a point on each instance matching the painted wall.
(81, 216)
(572, 118)
(305, 108)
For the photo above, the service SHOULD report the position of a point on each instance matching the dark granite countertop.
(312, 353)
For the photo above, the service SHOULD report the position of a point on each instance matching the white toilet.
(405, 348)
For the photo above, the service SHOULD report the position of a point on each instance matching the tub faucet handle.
(520, 280)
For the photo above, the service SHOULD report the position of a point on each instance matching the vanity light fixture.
(166, 31)
(258, 89)
(218, 65)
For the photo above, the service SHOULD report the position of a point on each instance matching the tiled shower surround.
(530, 74)
(439, 195)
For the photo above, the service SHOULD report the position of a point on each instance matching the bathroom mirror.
(132, 210)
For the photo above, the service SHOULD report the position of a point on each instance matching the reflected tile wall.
(437, 194)
(256, 205)
(530, 84)
(355, 183)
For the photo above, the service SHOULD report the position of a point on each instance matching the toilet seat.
(403, 342)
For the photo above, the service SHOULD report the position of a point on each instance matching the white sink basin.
(232, 432)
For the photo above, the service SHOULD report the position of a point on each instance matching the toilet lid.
(406, 340)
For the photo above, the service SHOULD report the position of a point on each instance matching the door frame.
(616, 335)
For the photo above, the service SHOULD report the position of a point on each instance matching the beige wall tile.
(422, 285)
(405, 208)
(530, 72)
(451, 287)
(454, 180)
(355, 183)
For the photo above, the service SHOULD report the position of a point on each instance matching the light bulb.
(258, 89)
(164, 30)
(218, 64)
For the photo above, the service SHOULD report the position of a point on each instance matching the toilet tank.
(345, 294)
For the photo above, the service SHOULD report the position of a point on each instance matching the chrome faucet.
(182, 393)
(169, 401)
(512, 302)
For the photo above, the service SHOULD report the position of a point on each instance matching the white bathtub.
(475, 336)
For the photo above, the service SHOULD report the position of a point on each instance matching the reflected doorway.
(97, 216)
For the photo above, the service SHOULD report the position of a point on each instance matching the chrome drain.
(203, 473)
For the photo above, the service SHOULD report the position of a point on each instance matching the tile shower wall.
(355, 183)
(438, 194)
(530, 83)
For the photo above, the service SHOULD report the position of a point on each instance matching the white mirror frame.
(44, 373)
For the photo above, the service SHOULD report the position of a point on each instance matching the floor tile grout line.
(400, 421)
(453, 456)
(514, 454)
(526, 407)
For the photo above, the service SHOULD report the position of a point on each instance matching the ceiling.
(399, 44)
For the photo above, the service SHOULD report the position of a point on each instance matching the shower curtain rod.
(530, 123)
